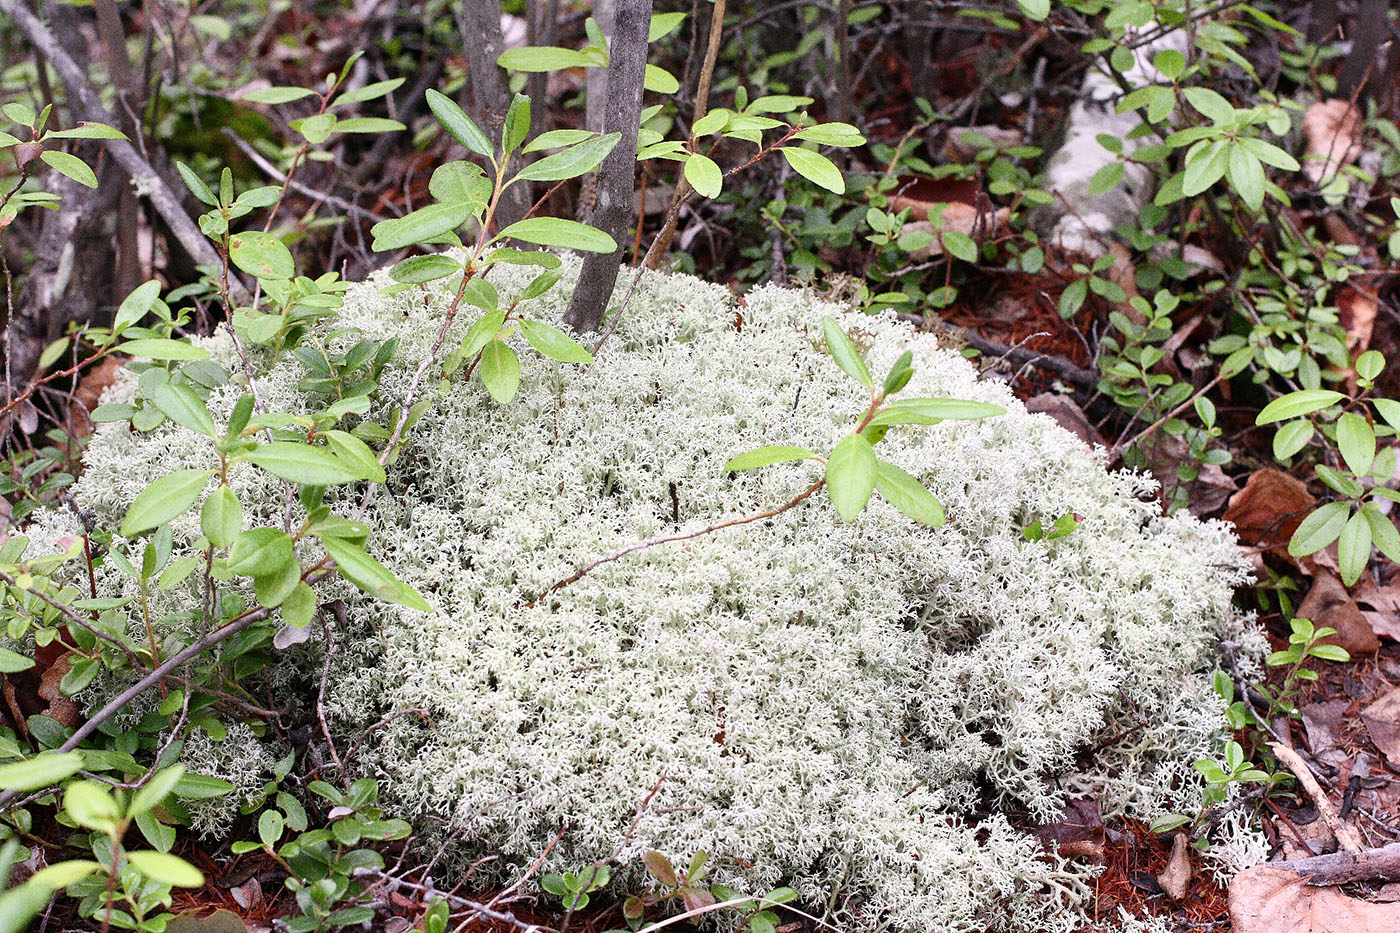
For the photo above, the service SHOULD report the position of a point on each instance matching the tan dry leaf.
(60, 708)
(1266, 899)
(1175, 879)
(1382, 719)
(1329, 603)
(1332, 129)
(1269, 509)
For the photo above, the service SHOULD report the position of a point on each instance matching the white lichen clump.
(846, 708)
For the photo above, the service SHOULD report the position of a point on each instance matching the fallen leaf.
(220, 921)
(1332, 129)
(1323, 723)
(1269, 509)
(1068, 415)
(1382, 719)
(1175, 879)
(1329, 603)
(1357, 312)
(1078, 832)
(1266, 899)
(60, 707)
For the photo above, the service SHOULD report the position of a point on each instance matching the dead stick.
(1347, 836)
(1381, 864)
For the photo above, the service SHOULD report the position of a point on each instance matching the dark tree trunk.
(481, 38)
(613, 213)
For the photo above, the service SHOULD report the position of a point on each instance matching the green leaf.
(829, 134)
(572, 162)
(908, 495)
(356, 454)
(1297, 404)
(1204, 167)
(517, 124)
(458, 125)
(555, 231)
(40, 771)
(159, 348)
(1323, 526)
(1357, 442)
(537, 58)
(303, 463)
(270, 826)
(59, 875)
(88, 130)
(372, 577)
(277, 95)
(556, 138)
(1072, 298)
(947, 409)
(843, 351)
(160, 786)
(662, 24)
(180, 404)
(500, 371)
(166, 868)
(90, 805)
(261, 254)
(299, 608)
(1210, 103)
(221, 517)
(1389, 409)
(196, 184)
(899, 375)
(1354, 549)
(12, 662)
(1246, 176)
(659, 80)
(1106, 178)
(166, 498)
(554, 343)
(460, 181)
(70, 165)
(418, 269)
(766, 456)
(201, 787)
(814, 167)
(704, 175)
(136, 305)
(368, 125)
(1383, 532)
(259, 552)
(850, 475)
(960, 245)
(421, 226)
(1291, 438)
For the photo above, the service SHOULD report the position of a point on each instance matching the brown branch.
(1381, 864)
(1347, 836)
(683, 536)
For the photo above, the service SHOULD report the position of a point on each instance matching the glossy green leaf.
(12, 662)
(460, 181)
(1389, 409)
(277, 95)
(303, 463)
(500, 371)
(40, 771)
(1322, 526)
(948, 409)
(261, 551)
(850, 476)
(1291, 438)
(458, 125)
(166, 868)
(421, 226)
(1383, 532)
(908, 495)
(166, 498)
(261, 254)
(180, 404)
(1204, 167)
(556, 231)
(221, 517)
(1297, 404)
(161, 785)
(136, 305)
(70, 165)
(87, 130)
(704, 175)
(201, 787)
(814, 167)
(660, 81)
(372, 577)
(91, 806)
(1246, 176)
(355, 453)
(158, 348)
(535, 58)
(1357, 442)
(418, 269)
(517, 124)
(766, 456)
(554, 343)
(299, 608)
(1354, 548)
(572, 162)
(843, 351)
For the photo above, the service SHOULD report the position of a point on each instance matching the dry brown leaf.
(60, 708)
(1078, 832)
(1269, 508)
(1068, 415)
(1329, 603)
(1266, 899)
(1175, 879)
(1332, 129)
(1358, 316)
(1382, 719)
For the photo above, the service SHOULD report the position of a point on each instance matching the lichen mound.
(848, 708)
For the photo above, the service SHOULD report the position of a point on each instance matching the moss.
(834, 706)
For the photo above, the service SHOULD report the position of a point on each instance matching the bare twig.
(1347, 836)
